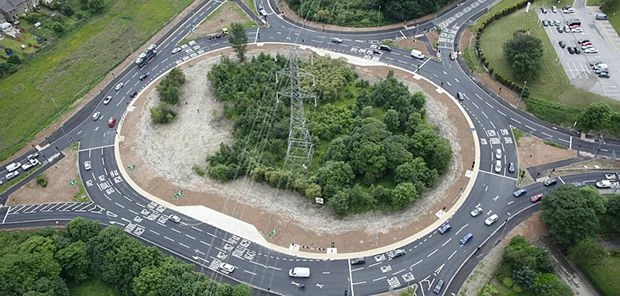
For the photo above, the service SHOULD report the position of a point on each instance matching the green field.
(552, 84)
(66, 70)
(604, 275)
(91, 288)
(614, 15)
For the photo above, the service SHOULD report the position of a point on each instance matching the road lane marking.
(560, 178)
(475, 105)
(398, 272)
(6, 214)
(502, 113)
(414, 264)
(196, 228)
(452, 255)
(431, 254)
(357, 269)
(519, 122)
(252, 273)
(374, 264)
(444, 244)
(548, 135)
(273, 267)
(182, 244)
(461, 229)
(530, 127)
(358, 283)
(190, 236)
(378, 279)
(155, 232)
(175, 230)
(168, 238)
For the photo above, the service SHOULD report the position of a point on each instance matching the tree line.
(364, 13)
(43, 262)
(374, 148)
(169, 90)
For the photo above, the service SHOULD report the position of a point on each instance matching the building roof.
(9, 5)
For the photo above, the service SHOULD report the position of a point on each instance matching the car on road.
(605, 184)
(519, 192)
(576, 30)
(417, 54)
(591, 50)
(175, 219)
(384, 47)
(11, 175)
(579, 184)
(144, 76)
(444, 228)
(438, 287)
(299, 272)
(468, 237)
(96, 115)
(537, 197)
(601, 17)
(33, 155)
(336, 40)
(111, 122)
(358, 261)
(397, 253)
(134, 94)
(550, 181)
(511, 167)
(498, 166)
(87, 166)
(176, 49)
(119, 86)
(13, 166)
(603, 75)
(498, 153)
(226, 268)
(107, 100)
(453, 55)
(476, 211)
(491, 219)
(460, 96)
(32, 162)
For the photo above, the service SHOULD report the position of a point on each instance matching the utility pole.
(300, 148)
(522, 91)
(58, 111)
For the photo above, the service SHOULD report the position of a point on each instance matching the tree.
(571, 214)
(524, 53)
(333, 176)
(80, 229)
(238, 40)
(58, 27)
(402, 195)
(595, 116)
(549, 284)
(14, 59)
(162, 114)
(74, 261)
(613, 212)
(392, 120)
(524, 276)
(587, 251)
(96, 6)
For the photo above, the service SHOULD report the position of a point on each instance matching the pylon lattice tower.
(300, 148)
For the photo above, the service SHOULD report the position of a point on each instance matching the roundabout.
(209, 238)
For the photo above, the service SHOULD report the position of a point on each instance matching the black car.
(144, 76)
(550, 181)
(384, 47)
(577, 50)
(358, 261)
(134, 94)
(545, 23)
(560, 29)
(562, 44)
(543, 10)
(571, 50)
(603, 75)
(511, 167)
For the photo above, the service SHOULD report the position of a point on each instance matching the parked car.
(358, 261)
(111, 122)
(600, 16)
(562, 44)
(144, 76)
(554, 9)
(11, 175)
(438, 287)
(550, 181)
(586, 43)
(591, 50)
(491, 219)
(119, 86)
(603, 75)
(560, 29)
(176, 49)
(87, 166)
(444, 228)
(580, 41)
(543, 10)
(537, 197)
(571, 50)
(336, 40)
(577, 30)
(519, 192)
(96, 115)
(568, 10)
(13, 166)
(577, 50)
(476, 211)
(498, 166)
(175, 219)
(605, 184)
(498, 153)
(226, 268)
(107, 100)
(556, 23)
(579, 184)
(511, 167)
(545, 23)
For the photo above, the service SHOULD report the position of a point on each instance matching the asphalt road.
(429, 259)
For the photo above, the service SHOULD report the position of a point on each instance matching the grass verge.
(518, 134)
(81, 195)
(8, 184)
(69, 68)
(604, 275)
(222, 17)
(250, 4)
(613, 12)
(91, 288)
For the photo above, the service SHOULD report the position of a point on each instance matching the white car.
(336, 40)
(107, 100)
(96, 115)
(498, 153)
(175, 219)
(568, 10)
(13, 166)
(606, 184)
(477, 211)
(87, 165)
(12, 175)
(492, 219)
(226, 268)
(591, 50)
(498, 166)
(554, 9)
(611, 176)
(175, 50)
(577, 30)
(119, 86)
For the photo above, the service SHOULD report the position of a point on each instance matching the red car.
(537, 197)
(111, 122)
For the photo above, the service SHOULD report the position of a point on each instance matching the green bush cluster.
(169, 93)
(44, 261)
(42, 180)
(10, 66)
(374, 148)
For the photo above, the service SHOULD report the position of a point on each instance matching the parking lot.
(577, 65)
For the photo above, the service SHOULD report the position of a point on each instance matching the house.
(11, 9)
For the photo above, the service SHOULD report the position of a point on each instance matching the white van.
(299, 272)
(417, 54)
(13, 166)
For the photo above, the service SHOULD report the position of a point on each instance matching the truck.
(218, 35)
(147, 56)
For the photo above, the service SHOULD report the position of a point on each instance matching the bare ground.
(57, 190)
(199, 129)
(228, 13)
(433, 38)
(466, 38)
(532, 151)
(411, 43)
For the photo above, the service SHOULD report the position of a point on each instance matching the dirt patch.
(533, 152)
(200, 128)
(228, 13)
(467, 37)
(433, 38)
(589, 165)
(57, 190)
(411, 43)
(499, 89)
(92, 94)
(532, 229)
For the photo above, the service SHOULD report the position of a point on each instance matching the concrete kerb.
(249, 231)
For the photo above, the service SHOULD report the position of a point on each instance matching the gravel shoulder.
(164, 156)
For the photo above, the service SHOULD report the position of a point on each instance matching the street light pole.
(58, 111)
(522, 91)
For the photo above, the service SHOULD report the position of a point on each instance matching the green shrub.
(42, 180)
(198, 170)
(162, 114)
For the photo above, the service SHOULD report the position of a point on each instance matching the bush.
(198, 170)
(162, 114)
(42, 180)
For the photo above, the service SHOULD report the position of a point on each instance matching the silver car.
(492, 219)
(498, 166)
(107, 100)
(498, 153)
(96, 115)
(119, 86)
(477, 211)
